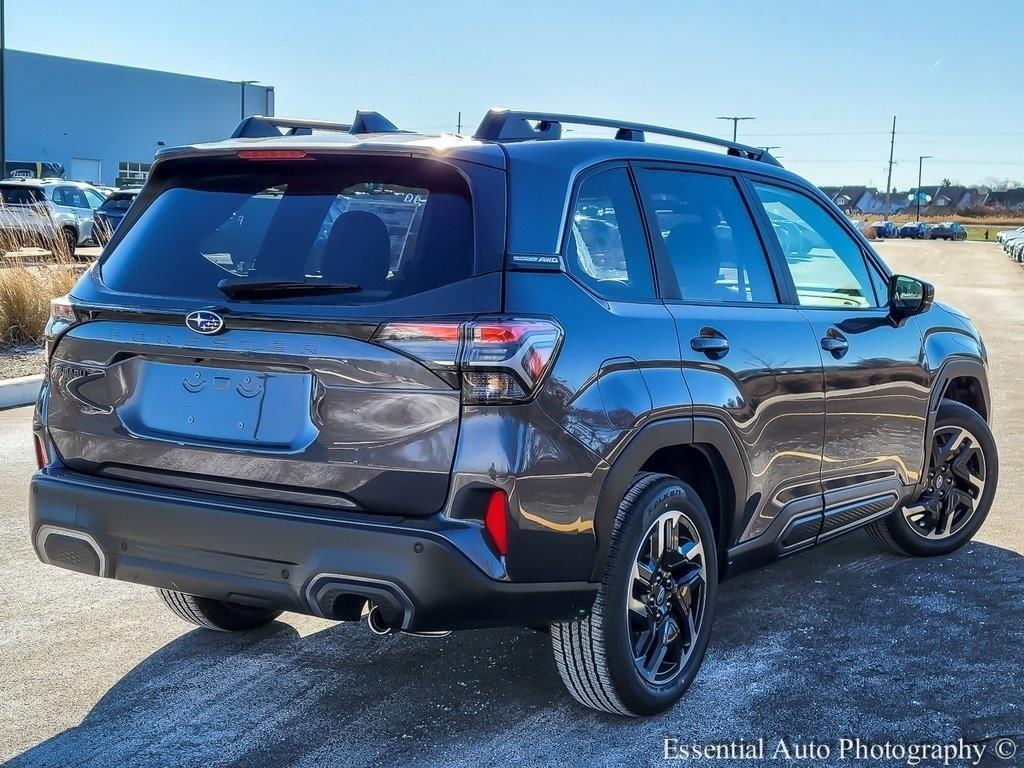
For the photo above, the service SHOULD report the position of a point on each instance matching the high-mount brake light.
(272, 154)
(501, 360)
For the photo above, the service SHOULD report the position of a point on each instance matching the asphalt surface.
(847, 640)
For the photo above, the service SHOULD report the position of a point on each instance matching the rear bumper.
(424, 574)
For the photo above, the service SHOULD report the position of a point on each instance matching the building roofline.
(134, 68)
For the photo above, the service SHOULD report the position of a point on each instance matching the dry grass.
(33, 270)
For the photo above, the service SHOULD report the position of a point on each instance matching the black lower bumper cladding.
(327, 566)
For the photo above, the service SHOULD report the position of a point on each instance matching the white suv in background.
(46, 209)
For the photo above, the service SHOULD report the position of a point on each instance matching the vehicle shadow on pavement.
(845, 641)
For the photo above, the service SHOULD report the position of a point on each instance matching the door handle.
(710, 342)
(835, 343)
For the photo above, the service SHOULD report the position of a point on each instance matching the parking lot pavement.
(848, 640)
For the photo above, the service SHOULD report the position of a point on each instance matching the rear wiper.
(269, 289)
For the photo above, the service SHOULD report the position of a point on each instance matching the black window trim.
(871, 260)
(664, 265)
(578, 181)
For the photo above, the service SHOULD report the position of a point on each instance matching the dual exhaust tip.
(378, 625)
(375, 621)
(345, 597)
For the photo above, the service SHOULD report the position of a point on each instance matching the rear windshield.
(20, 195)
(117, 203)
(388, 227)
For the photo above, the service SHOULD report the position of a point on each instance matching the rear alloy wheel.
(961, 479)
(644, 640)
(667, 597)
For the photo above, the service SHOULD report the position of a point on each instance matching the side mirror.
(909, 296)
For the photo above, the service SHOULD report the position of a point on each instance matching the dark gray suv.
(508, 380)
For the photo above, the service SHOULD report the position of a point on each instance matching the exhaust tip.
(375, 621)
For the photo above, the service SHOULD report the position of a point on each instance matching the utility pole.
(888, 183)
(3, 96)
(458, 126)
(917, 192)
(735, 121)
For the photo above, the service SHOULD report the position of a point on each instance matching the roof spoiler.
(261, 126)
(507, 125)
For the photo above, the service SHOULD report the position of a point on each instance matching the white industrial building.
(103, 122)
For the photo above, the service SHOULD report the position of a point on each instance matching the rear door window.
(707, 233)
(388, 227)
(74, 197)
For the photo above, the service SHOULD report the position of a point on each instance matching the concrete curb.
(21, 390)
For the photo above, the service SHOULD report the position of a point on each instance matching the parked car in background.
(947, 230)
(885, 229)
(1009, 243)
(860, 224)
(45, 211)
(109, 215)
(1017, 249)
(914, 229)
(1004, 234)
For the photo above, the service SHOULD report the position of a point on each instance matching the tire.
(941, 506)
(595, 655)
(68, 243)
(216, 614)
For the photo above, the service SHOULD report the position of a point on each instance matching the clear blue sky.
(823, 78)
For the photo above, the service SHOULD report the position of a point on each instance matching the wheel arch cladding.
(969, 391)
(701, 452)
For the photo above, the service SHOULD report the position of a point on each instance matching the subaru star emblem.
(205, 322)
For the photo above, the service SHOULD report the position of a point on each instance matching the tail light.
(496, 520)
(41, 459)
(499, 360)
(62, 316)
(62, 310)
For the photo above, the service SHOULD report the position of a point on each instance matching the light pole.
(920, 162)
(735, 121)
(3, 115)
(242, 84)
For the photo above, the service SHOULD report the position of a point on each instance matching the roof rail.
(506, 125)
(261, 126)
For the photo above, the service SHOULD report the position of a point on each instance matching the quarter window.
(708, 236)
(605, 247)
(826, 263)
